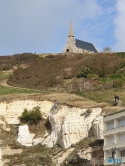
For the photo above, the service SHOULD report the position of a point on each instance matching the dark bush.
(97, 142)
(32, 117)
(85, 71)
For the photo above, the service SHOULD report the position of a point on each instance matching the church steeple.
(70, 45)
(71, 30)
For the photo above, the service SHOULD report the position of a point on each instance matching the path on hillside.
(4, 83)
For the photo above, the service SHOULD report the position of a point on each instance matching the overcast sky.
(42, 26)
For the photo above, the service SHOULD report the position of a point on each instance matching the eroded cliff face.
(68, 124)
(93, 154)
(11, 111)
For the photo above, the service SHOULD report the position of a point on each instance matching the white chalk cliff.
(12, 110)
(24, 136)
(68, 124)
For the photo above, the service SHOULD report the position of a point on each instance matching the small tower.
(70, 45)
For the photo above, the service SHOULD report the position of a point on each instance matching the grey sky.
(35, 25)
(42, 25)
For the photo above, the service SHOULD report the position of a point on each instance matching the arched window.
(67, 50)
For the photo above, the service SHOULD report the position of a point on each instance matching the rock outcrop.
(93, 154)
(97, 127)
(70, 125)
(24, 136)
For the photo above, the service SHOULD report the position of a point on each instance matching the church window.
(67, 50)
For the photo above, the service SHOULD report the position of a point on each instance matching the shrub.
(84, 72)
(92, 75)
(121, 54)
(6, 67)
(118, 83)
(97, 142)
(115, 76)
(32, 117)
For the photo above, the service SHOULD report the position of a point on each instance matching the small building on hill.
(77, 46)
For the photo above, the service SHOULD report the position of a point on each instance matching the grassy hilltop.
(94, 76)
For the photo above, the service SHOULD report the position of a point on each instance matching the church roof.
(85, 45)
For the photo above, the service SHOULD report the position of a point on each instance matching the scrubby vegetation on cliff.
(74, 158)
(32, 117)
(103, 71)
(31, 156)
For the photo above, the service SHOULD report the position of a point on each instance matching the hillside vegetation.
(82, 74)
(73, 72)
(8, 62)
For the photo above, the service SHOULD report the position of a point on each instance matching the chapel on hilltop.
(77, 46)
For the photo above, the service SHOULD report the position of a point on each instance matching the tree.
(107, 49)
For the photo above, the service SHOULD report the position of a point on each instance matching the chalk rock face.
(7, 151)
(24, 137)
(36, 141)
(97, 127)
(11, 111)
(49, 141)
(94, 154)
(60, 157)
(70, 125)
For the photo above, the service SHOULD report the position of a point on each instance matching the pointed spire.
(71, 30)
